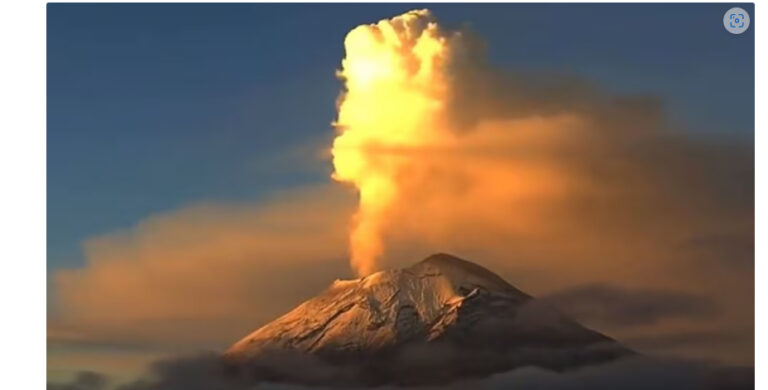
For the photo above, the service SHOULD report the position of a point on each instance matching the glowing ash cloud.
(528, 169)
(397, 82)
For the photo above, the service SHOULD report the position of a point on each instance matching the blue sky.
(152, 107)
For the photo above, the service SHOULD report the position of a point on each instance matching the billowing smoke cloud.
(528, 170)
(395, 74)
(545, 178)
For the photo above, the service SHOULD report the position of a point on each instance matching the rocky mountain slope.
(440, 320)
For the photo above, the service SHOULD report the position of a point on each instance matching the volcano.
(440, 320)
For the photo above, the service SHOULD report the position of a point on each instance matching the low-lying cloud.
(205, 372)
(85, 380)
(610, 306)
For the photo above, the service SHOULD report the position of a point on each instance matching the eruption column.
(396, 86)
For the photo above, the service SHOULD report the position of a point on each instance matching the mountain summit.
(440, 320)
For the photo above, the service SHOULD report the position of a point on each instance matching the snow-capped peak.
(442, 303)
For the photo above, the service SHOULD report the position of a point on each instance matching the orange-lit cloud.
(441, 146)
(203, 274)
(544, 177)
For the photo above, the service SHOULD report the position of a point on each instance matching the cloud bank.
(613, 306)
(204, 372)
(203, 275)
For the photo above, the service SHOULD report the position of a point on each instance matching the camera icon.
(736, 20)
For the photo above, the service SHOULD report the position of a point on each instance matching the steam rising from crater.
(397, 82)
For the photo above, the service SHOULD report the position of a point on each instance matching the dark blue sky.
(151, 107)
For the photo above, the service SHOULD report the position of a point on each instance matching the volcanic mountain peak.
(455, 318)
(462, 274)
(431, 284)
